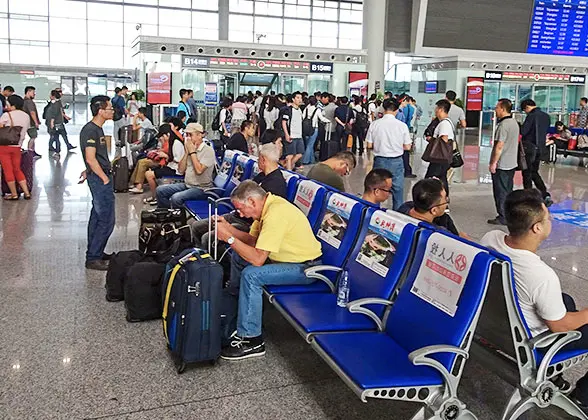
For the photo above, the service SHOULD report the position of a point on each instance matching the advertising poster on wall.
(475, 96)
(358, 82)
(211, 94)
(159, 88)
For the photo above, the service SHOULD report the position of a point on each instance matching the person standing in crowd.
(133, 105)
(197, 166)
(503, 161)
(418, 114)
(360, 126)
(61, 129)
(31, 108)
(313, 113)
(545, 308)
(583, 115)
(331, 171)
(276, 251)
(238, 141)
(534, 132)
(193, 105)
(120, 111)
(6, 93)
(292, 129)
(225, 120)
(405, 114)
(271, 113)
(380, 111)
(444, 131)
(10, 156)
(99, 176)
(257, 102)
(329, 109)
(344, 118)
(240, 113)
(55, 125)
(372, 107)
(390, 138)
(455, 114)
(377, 186)
(183, 104)
(430, 203)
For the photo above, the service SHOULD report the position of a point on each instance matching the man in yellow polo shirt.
(277, 250)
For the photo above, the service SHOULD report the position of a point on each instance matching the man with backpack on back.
(120, 111)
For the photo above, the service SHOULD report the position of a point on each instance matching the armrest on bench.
(357, 307)
(314, 273)
(555, 342)
(420, 358)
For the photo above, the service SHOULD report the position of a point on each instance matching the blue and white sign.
(572, 217)
(211, 94)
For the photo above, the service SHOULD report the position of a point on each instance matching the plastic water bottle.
(343, 290)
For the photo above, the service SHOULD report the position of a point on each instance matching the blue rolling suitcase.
(192, 298)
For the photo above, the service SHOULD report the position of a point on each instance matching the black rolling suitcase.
(126, 135)
(120, 174)
(328, 147)
(192, 299)
(143, 291)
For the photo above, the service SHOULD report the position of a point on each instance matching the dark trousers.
(581, 391)
(406, 161)
(54, 142)
(502, 185)
(341, 135)
(101, 222)
(531, 175)
(439, 171)
(358, 137)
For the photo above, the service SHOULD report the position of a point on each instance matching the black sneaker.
(99, 265)
(497, 221)
(563, 385)
(244, 348)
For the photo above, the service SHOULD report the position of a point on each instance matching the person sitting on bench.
(377, 186)
(544, 306)
(276, 251)
(430, 203)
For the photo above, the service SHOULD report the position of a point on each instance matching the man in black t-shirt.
(238, 141)
(430, 205)
(99, 176)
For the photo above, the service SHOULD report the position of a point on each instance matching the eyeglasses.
(440, 204)
(384, 189)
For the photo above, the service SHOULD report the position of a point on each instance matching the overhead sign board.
(534, 77)
(254, 64)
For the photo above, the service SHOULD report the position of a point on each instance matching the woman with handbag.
(439, 151)
(13, 128)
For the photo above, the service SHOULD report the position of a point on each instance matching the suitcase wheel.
(181, 368)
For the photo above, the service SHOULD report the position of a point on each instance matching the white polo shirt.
(388, 135)
(538, 287)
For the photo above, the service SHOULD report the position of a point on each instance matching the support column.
(374, 26)
(223, 20)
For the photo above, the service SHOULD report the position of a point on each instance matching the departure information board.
(559, 27)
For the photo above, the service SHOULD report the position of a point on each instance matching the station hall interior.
(67, 352)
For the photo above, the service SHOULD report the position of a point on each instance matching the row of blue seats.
(415, 299)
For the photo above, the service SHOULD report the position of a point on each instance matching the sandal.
(11, 197)
(27, 196)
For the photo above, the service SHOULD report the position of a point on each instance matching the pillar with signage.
(474, 100)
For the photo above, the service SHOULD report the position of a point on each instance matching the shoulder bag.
(438, 151)
(10, 136)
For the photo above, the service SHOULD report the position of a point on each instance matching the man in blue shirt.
(183, 104)
(119, 103)
(405, 114)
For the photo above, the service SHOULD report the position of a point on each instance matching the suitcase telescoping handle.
(212, 203)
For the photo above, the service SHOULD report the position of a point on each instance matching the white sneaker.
(136, 190)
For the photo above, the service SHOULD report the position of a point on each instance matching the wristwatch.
(231, 240)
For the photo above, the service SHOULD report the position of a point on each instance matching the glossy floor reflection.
(66, 353)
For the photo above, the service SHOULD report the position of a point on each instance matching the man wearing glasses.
(197, 166)
(430, 204)
(331, 171)
(377, 186)
(99, 176)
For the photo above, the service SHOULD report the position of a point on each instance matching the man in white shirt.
(445, 130)
(456, 114)
(141, 122)
(390, 138)
(292, 128)
(538, 288)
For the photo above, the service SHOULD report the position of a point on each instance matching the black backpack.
(361, 120)
(46, 109)
(430, 130)
(216, 121)
(307, 128)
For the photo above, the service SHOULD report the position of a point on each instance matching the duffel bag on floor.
(143, 291)
(117, 273)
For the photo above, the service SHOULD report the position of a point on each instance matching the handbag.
(521, 158)
(439, 151)
(10, 136)
(457, 159)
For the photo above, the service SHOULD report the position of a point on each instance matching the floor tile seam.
(556, 269)
(220, 397)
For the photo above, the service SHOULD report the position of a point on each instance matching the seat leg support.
(517, 405)
(562, 401)
(451, 409)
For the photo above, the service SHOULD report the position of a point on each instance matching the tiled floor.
(66, 353)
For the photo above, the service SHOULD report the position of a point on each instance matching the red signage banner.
(358, 82)
(159, 88)
(475, 96)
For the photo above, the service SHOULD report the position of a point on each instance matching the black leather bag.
(457, 160)
(522, 158)
(10, 136)
(438, 151)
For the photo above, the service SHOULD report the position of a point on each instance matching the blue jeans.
(173, 196)
(396, 166)
(308, 157)
(252, 279)
(101, 222)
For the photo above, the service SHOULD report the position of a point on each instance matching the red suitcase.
(27, 162)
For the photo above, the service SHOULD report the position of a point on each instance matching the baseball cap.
(194, 128)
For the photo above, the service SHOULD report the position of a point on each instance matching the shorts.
(164, 171)
(33, 132)
(296, 147)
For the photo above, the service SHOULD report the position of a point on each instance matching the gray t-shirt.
(29, 108)
(205, 155)
(329, 113)
(508, 133)
(456, 115)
